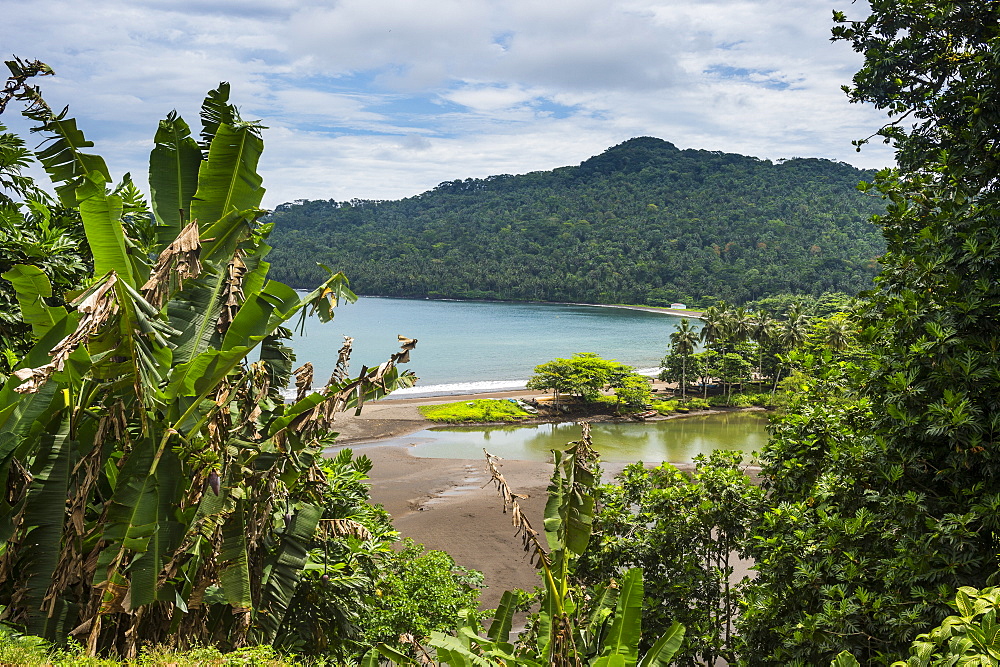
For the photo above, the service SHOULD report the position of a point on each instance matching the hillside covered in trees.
(644, 222)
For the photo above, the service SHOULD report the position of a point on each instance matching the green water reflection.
(673, 440)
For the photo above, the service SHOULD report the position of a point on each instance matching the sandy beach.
(448, 504)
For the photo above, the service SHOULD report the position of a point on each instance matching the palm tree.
(716, 330)
(740, 326)
(716, 321)
(792, 333)
(838, 332)
(761, 331)
(795, 329)
(683, 342)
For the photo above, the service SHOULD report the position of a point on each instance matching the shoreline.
(663, 310)
(449, 504)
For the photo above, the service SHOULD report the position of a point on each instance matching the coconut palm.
(683, 342)
(794, 330)
(761, 331)
(715, 327)
(791, 333)
(837, 332)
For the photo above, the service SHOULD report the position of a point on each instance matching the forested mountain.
(644, 222)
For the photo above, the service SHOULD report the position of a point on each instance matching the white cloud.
(386, 98)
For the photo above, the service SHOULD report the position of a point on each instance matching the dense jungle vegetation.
(641, 223)
(157, 487)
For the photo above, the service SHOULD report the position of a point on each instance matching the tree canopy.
(883, 478)
(644, 222)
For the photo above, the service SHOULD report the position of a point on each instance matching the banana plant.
(608, 635)
(156, 483)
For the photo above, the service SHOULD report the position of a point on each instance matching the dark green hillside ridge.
(643, 222)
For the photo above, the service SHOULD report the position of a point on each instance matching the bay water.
(478, 346)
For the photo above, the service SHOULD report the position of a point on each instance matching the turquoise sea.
(476, 346)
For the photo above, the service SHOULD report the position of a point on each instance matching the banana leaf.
(173, 177)
(452, 651)
(32, 287)
(502, 618)
(390, 654)
(63, 159)
(283, 570)
(220, 239)
(623, 637)
(195, 313)
(234, 575)
(569, 510)
(22, 411)
(215, 110)
(44, 516)
(102, 220)
(261, 314)
(145, 570)
(661, 653)
(228, 181)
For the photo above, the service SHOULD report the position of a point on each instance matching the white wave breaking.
(455, 388)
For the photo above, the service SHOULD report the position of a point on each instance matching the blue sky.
(382, 99)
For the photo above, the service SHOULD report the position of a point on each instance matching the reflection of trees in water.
(675, 440)
(545, 437)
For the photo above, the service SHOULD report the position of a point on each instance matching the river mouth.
(672, 440)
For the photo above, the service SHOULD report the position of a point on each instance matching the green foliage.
(722, 224)
(344, 565)
(28, 651)
(824, 305)
(584, 375)
(417, 592)
(633, 392)
(742, 399)
(158, 486)
(884, 499)
(682, 532)
(666, 407)
(697, 404)
(35, 233)
(49, 239)
(930, 62)
(477, 410)
(970, 638)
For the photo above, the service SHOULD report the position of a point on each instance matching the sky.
(384, 99)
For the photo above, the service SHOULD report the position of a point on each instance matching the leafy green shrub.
(734, 401)
(697, 404)
(763, 399)
(666, 407)
(742, 400)
(343, 565)
(418, 592)
(478, 410)
(685, 529)
(30, 651)
(971, 638)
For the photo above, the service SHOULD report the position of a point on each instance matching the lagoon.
(677, 440)
(476, 346)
